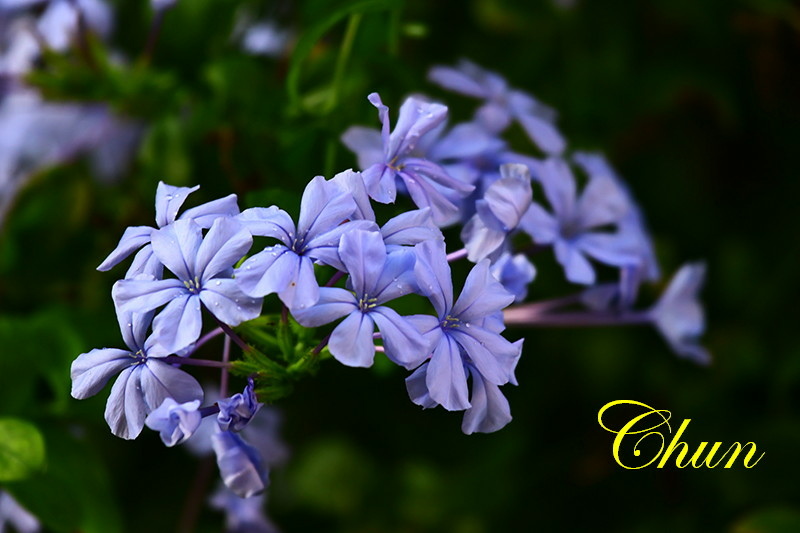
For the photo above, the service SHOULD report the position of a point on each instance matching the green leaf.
(21, 449)
(310, 38)
(773, 520)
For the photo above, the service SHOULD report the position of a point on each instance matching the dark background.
(697, 105)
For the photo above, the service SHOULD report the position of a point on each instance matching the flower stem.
(230, 333)
(458, 254)
(523, 316)
(152, 38)
(226, 356)
(322, 344)
(335, 278)
(177, 359)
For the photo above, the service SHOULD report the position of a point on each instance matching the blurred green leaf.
(775, 520)
(21, 449)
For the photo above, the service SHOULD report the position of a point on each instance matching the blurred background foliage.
(697, 104)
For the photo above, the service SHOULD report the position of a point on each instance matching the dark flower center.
(193, 285)
(366, 304)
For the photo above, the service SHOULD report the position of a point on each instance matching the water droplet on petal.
(467, 324)
(239, 307)
(216, 304)
(218, 283)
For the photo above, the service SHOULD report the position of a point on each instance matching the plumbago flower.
(376, 278)
(498, 213)
(169, 200)
(391, 156)
(288, 268)
(203, 268)
(502, 104)
(174, 421)
(465, 339)
(145, 380)
(679, 315)
(576, 226)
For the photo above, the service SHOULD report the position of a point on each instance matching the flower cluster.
(339, 270)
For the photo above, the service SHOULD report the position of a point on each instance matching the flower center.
(451, 322)
(366, 304)
(193, 285)
(139, 358)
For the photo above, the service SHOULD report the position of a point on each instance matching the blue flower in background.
(174, 421)
(502, 104)
(240, 465)
(393, 156)
(463, 335)
(237, 411)
(169, 200)
(577, 227)
(375, 278)
(144, 380)
(679, 315)
(498, 213)
(288, 268)
(515, 273)
(203, 266)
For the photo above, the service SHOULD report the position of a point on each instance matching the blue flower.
(679, 315)
(240, 464)
(288, 268)
(169, 200)
(577, 226)
(515, 273)
(13, 514)
(395, 158)
(464, 335)
(237, 411)
(501, 103)
(203, 269)
(175, 421)
(242, 515)
(499, 212)
(144, 380)
(376, 278)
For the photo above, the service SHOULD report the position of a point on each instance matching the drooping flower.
(203, 268)
(237, 411)
(679, 315)
(240, 465)
(392, 157)
(169, 200)
(288, 268)
(144, 381)
(242, 515)
(174, 421)
(375, 278)
(498, 213)
(463, 335)
(577, 226)
(502, 104)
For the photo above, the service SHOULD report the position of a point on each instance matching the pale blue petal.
(577, 268)
(485, 350)
(125, 408)
(602, 202)
(269, 271)
(225, 243)
(145, 262)
(559, 187)
(415, 119)
(543, 133)
(480, 240)
(410, 228)
(397, 278)
(458, 80)
(333, 304)
(366, 143)
(482, 295)
(226, 301)
(509, 197)
(324, 247)
(269, 222)
(418, 389)
(380, 182)
(160, 381)
(351, 341)
(446, 379)
(539, 224)
(609, 248)
(323, 206)
(352, 183)
(142, 295)
(303, 291)
(91, 371)
(169, 200)
(433, 275)
(364, 255)
(205, 214)
(132, 239)
(443, 211)
(133, 327)
(403, 342)
(179, 324)
(490, 410)
(176, 247)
